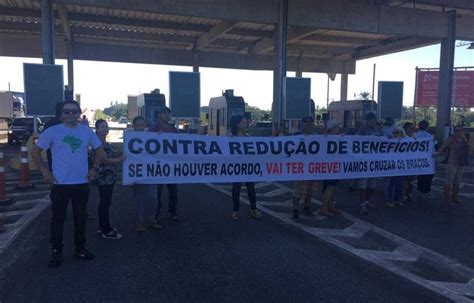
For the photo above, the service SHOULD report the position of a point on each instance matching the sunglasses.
(70, 111)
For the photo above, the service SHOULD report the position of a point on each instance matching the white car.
(123, 120)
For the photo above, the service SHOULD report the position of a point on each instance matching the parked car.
(22, 128)
(123, 120)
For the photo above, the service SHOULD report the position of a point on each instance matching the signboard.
(427, 88)
(297, 98)
(44, 87)
(390, 99)
(153, 158)
(185, 94)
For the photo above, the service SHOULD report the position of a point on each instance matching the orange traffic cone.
(3, 190)
(24, 170)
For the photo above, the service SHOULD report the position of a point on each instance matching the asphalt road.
(204, 257)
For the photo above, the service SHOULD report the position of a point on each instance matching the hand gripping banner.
(154, 158)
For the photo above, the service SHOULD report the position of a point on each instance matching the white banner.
(154, 158)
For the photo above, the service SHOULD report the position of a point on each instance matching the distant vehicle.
(261, 129)
(22, 128)
(11, 105)
(123, 120)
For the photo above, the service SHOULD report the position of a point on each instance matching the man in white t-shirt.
(70, 176)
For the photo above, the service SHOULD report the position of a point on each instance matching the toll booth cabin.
(222, 109)
(149, 106)
(350, 114)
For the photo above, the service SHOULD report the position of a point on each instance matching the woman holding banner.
(106, 177)
(238, 125)
(457, 156)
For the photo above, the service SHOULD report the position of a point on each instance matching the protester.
(304, 189)
(163, 126)
(143, 194)
(388, 127)
(68, 143)
(395, 183)
(84, 121)
(424, 181)
(407, 189)
(457, 149)
(367, 185)
(106, 178)
(327, 207)
(55, 121)
(238, 127)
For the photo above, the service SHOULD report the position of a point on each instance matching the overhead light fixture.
(471, 46)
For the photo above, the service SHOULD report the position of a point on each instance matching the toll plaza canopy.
(323, 35)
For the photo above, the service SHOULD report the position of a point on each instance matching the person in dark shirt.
(163, 126)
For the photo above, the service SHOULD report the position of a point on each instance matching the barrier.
(24, 170)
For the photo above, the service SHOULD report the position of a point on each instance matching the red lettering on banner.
(274, 168)
(324, 167)
(294, 167)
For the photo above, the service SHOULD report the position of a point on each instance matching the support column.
(299, 68)
(70, 64)
(47, 31)
(195, 63)
(344, 83)
(279, 70)
(445, 85)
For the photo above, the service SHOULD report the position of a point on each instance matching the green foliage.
(116, 110)
(257, 113)
(364, 95)
(430, 115)
(99, 114)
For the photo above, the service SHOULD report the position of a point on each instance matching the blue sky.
(99, 83)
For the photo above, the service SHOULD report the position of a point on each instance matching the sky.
(100, 83)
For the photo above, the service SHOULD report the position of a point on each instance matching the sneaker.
(429, 196)
(363, 209)
(100, 232)
(141, 227)
(84, 254)
(113, 235)
(307, 212)
(390, 204)
(370, 205)
(156, 224)
(325, 212)
(56, 259)
(174, 217)
(296, 215)
(255, 214)
(235, 215)
(400, 204)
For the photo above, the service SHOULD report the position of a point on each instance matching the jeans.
(424, 183)
(394, 189)
(143, 198)
(60, 196)
(105, 194)
(250, 192)
(172, 201)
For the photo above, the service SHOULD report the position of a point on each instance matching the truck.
(132, 107)
(12, 105)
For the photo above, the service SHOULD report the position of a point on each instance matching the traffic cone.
(24, 170)
(3, 190)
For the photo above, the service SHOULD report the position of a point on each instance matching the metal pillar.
(47, 31)
(70, 65)
(195, 62)
(299, 71)
(279, 58)
(344, 83)
(446, 67)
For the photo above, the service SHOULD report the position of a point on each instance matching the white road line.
(405, 251)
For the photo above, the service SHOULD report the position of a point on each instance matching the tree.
(99, 114)
(116, 111)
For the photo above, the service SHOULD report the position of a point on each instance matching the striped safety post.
(24, 170)
(3, 189)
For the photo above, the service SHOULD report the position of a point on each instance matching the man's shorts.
(368, 183)
(304, 188)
